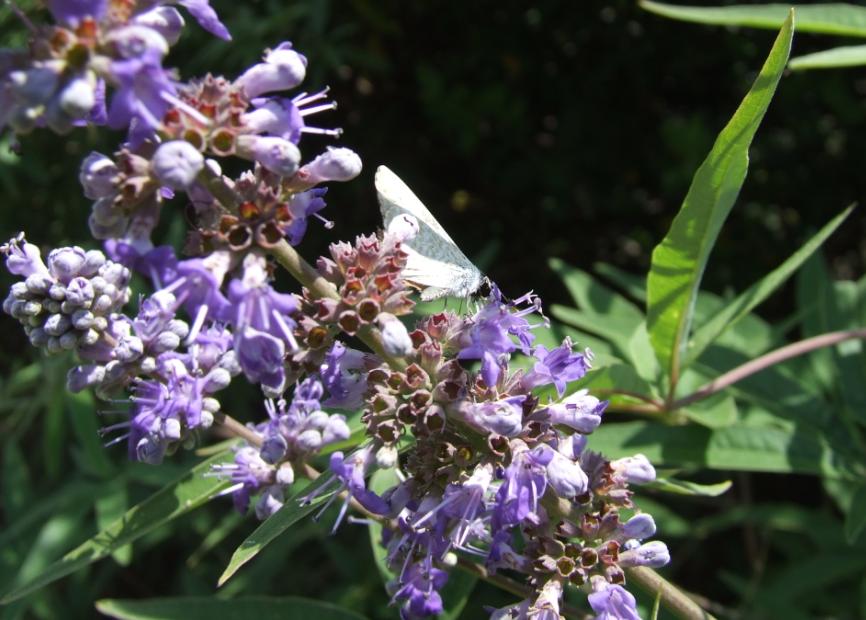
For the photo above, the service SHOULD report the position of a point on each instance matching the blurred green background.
(559, 129)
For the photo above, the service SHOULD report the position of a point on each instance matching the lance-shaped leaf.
(845, 56)
(678, 262)
(832, 18)
(292, 511)
(170, 502)
(758, 292)
(209, 608)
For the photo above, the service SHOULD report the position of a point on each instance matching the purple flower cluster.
(493, 464)
(60, 80)
(293, 433)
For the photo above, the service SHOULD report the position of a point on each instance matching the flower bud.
(386, 457)
(96, 175)
(65, 263)
(77, 98)
(82, 377)
(579, 411)
(635, 469)
(395, 337)
(165, 341)
(269, 503)
(503, 417)
(277, 155)
(177, 164)
(309, 441)
(273, 448)
(566, 477)
(653, 554)
(639, 526)
(282, 69)
(79, 292)
(172, 429)
(285, 474)
(335, 164)
(217, 379)
(336, 429)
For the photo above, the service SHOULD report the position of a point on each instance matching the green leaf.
(831, 18)
(739, 448)
(291, 512)
(717, 411)
(614, 329)
(593, 297)
(380, 481)
(684, 487)
(855, 520)
(611, 382)
(631, 285)
(209, 608)
(174, 500)
(758, 292)
(456, 593)
(678, 262)
(845, 56)
(109, 508)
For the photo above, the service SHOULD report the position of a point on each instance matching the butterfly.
(435, 262)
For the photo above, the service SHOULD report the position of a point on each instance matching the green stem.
(675, 600)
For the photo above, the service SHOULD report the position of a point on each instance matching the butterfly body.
(435, 263)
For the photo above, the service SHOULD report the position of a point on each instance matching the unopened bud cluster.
(67, 303)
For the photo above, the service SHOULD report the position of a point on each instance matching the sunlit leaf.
(830, 18)
(758, 292)
(678, 262)
(291, 512)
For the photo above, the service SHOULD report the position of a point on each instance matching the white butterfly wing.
(434, 261)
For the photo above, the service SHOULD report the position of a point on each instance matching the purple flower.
(634, 469)
(612, 602)
(263, 328)
(282, 117)
(176, 164)
(71, 12)
(558, 366)
(282, 69)
(302, 206)
(206, 17)
(165, 409)
(335, 164)
(302, 428)
(579, 411)
(420, 584)
(343, 376)
(249, 473)
(638, 527)
(564, 475)
(488, 336)
(525, 481)
(503, 417)
(653, 554)
(275, 154)
(466, 502)
(350, 472)
(143, 89)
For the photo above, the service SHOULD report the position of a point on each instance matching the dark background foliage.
(559, 129)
